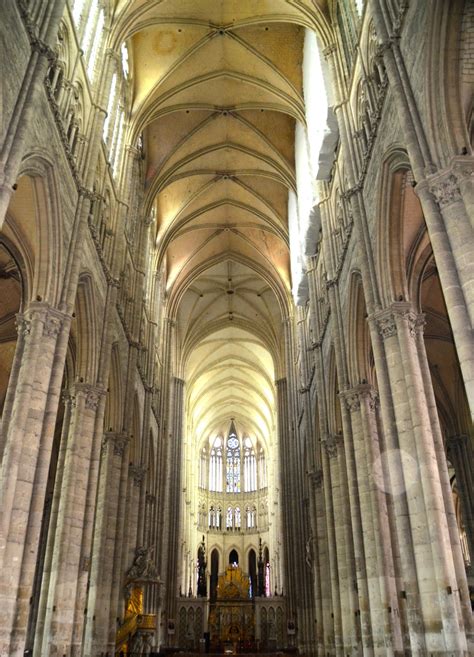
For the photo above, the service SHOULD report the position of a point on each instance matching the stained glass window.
(233, 464)
(215, 466)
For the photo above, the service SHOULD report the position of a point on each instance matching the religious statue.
(202, 565)
(143, 566)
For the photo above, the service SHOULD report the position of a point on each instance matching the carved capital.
(316, 478)
(138, 473)
(118, 441)
(352, 400)
(446, 190)
(463, 168)
(52, 326)
(369, 395)
(23, 326)
(330, 443)
(91, 395)
(51, 319)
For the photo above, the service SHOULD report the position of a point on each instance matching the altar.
(232, 615)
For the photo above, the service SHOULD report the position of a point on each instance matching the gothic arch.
(35, 208)
(114, 399)
(449, 95)
(358, 340)
(394, 242)
(85, 328)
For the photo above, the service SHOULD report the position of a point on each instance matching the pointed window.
(233, 462)
(215, 466)
(250, 466)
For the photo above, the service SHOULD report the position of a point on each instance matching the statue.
(202, 565)
(143, 566)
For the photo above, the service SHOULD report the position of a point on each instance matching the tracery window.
(203, 469)
(233, 464)
(250, 466)
(215, 466)
(251, 517)
(114, 124)
(262, 469)
(229, 518)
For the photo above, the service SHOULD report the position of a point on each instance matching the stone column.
(419, 477)
(433, 192)
(25, 465)
(445, 483)
(319, 559)
(98, 637)
(384, 612)
(66, 540)
(445, 187)
(174, 498)
(461, 456)
(22, 330)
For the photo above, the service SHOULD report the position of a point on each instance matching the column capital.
(387, 320)
(331, 443)
(91, 394)
(23, 326)
(444, 186)
(316, 478)
(364, 392)
(117, 440)
(52, 319)
(138, 473)
(463, 168)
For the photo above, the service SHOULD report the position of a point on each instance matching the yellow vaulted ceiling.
(217, 89)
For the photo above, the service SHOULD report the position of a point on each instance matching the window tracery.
(232, 466)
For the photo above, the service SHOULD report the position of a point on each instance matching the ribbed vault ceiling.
(217, 89)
